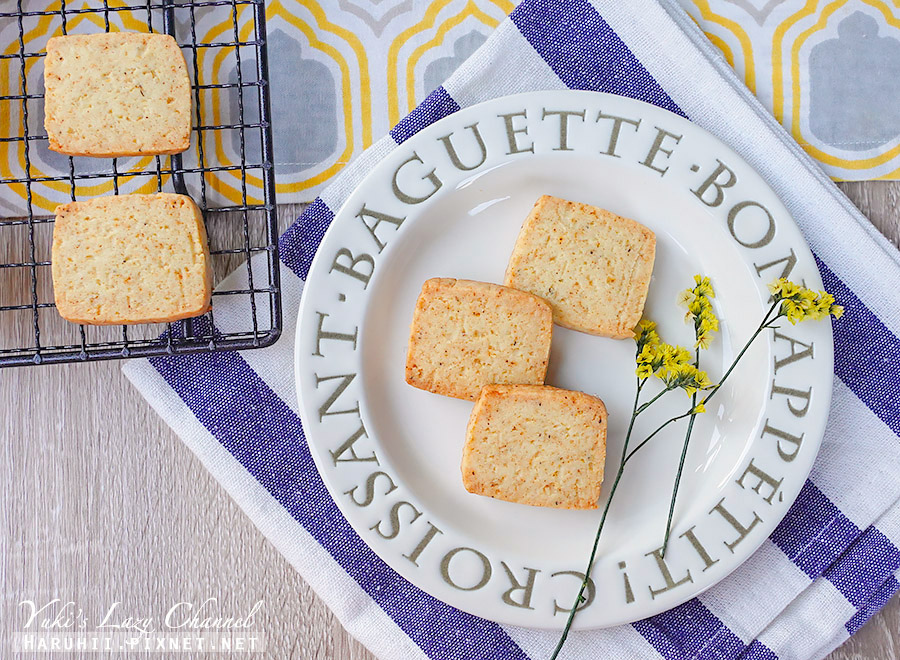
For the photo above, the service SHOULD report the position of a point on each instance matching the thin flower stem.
(590, 565)
(684, 450)
(659, 428)
(762, 326)
(612, 491)
(766, 323)
(637, 396)
(644, 406)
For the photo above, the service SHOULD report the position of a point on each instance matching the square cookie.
(536, 445)
(592, 266)
(130, 259)
(468, 334)
(116, 94)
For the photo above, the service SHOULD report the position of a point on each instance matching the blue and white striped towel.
(831, 563)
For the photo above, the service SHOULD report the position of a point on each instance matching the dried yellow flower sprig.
(698, 301)
(700, 310)
(645, 333)
(672, 365)
(800, 304)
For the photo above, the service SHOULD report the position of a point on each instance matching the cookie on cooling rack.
(116, 94)
(537, 445)
(130, 259)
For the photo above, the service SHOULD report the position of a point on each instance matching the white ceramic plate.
(390, 453)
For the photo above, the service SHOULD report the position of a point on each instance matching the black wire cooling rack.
(31, 331)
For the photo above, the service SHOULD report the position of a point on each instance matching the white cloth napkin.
(830, 564)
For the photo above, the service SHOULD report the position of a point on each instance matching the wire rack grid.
(31, 331)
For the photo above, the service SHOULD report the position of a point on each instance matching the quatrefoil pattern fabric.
(343, 72)
(829, 70)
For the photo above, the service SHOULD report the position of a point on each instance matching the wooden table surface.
(101, 503)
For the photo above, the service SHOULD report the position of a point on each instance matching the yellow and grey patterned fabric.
(828, 69)
(344, 71)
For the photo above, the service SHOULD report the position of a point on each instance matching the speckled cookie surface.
(536, 445)
(592, 266)
(467, 334)
(116, 94)
(130, 259)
